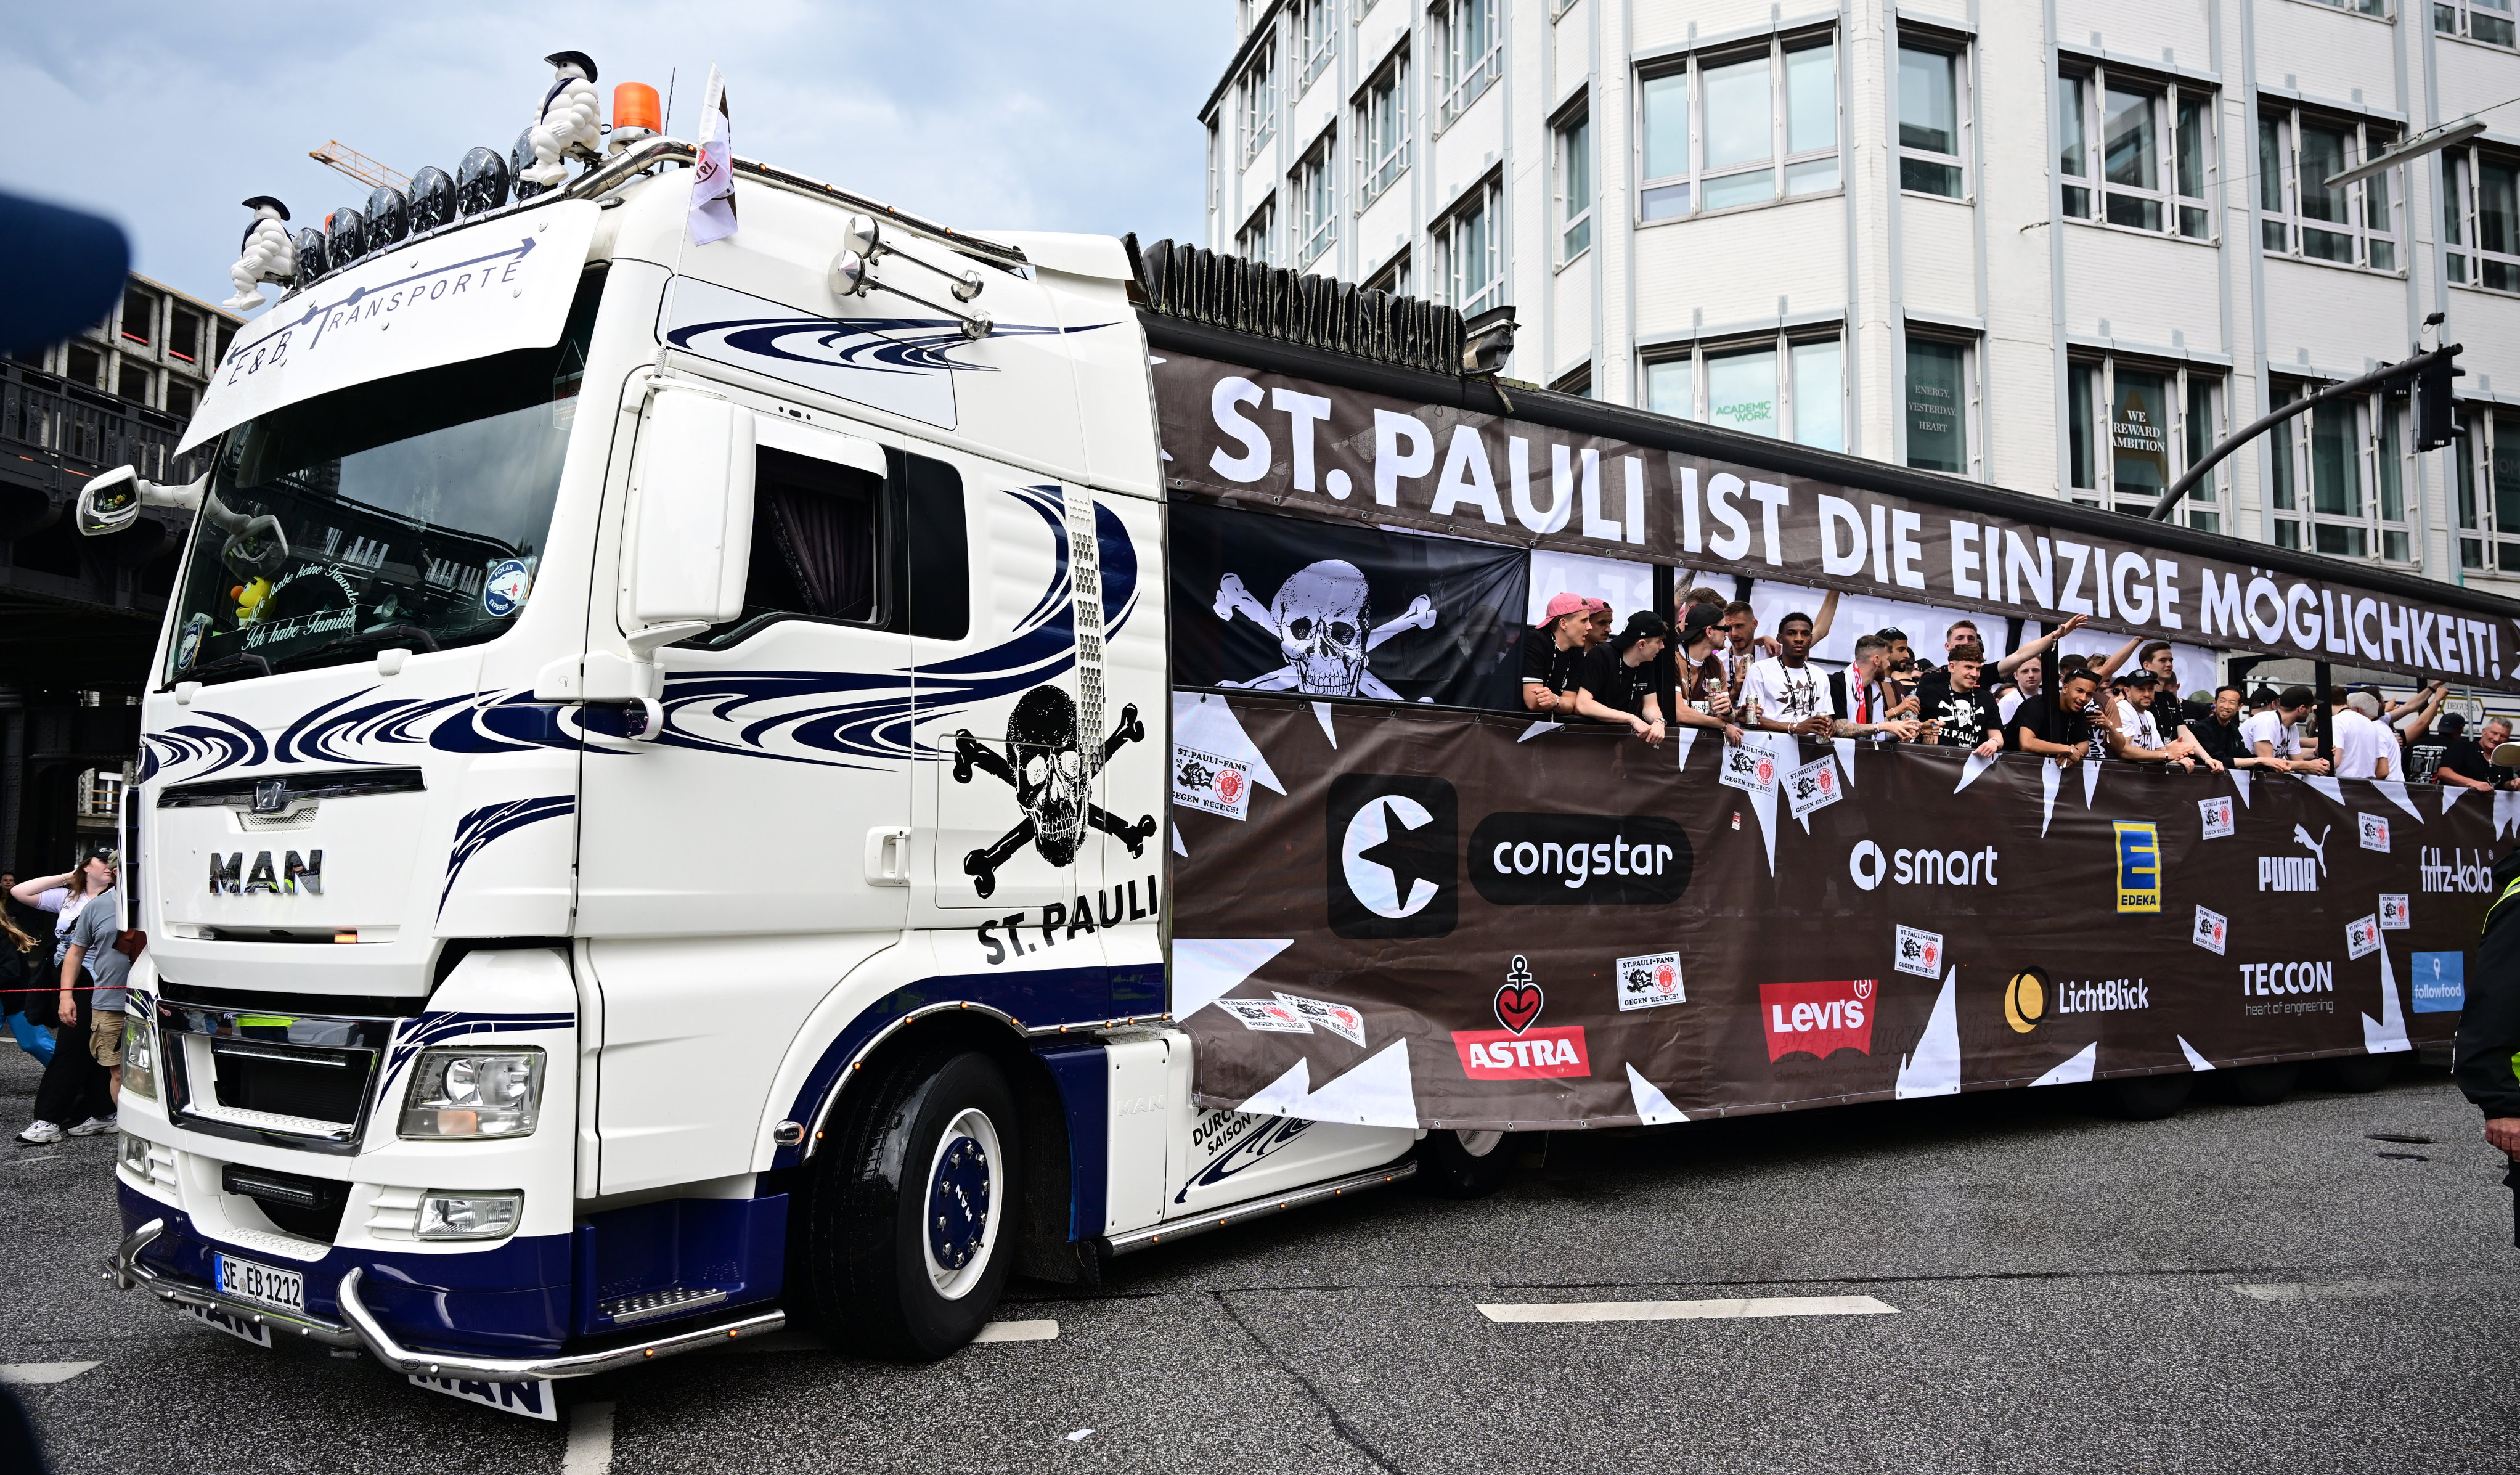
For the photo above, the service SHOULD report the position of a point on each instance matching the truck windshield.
(408, 511)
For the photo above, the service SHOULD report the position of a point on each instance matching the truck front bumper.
(360, 1329)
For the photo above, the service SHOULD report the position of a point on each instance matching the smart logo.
(2138, 866)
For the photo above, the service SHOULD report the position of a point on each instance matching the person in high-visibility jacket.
(2486, 1060)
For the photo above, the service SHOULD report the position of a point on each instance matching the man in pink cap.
(1599, 612)
(1553, 656)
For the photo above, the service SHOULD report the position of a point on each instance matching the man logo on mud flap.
(1046, 766)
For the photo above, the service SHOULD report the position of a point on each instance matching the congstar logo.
(1536, 860)
(1870, 866)
(1394, 848)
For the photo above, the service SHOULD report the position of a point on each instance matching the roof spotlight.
(520, 158)
(481, 181)
(314, 256)
(346, 230)
(432, 199)
(388, 217)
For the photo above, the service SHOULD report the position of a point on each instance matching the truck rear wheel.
(1454, 1164)
(2356, 1075)
(2257, 1084)
(912, 1209)
(2148, 1098)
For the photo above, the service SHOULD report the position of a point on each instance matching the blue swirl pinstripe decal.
(491, 820)
(879, 346)
(233, 745)
(421, 1031)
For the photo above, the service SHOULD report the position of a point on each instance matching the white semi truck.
(484, 1030)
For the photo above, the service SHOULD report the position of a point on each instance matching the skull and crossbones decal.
(1320, 620)
(1046, 768)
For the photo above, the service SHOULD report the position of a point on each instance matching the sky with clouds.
(1057, 114)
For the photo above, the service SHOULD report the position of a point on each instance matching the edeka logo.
(2138, 866)
(2458, 873)
(2441, 982)
(1816, 1018)
(1531, 860)
(1394, 846)
(1869, 866)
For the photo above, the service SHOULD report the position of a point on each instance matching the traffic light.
(2436, 399)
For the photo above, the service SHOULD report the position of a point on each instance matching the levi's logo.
(1816, 1018)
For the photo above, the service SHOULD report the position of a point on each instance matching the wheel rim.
(963, 1204)
(1480, 1144)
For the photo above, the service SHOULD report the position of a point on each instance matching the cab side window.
(834, 544)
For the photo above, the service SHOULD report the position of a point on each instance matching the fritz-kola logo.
(2459, 873)
(2300, 872)
(1394, 846)
(1047, 768)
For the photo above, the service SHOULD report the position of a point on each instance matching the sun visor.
(503, 285)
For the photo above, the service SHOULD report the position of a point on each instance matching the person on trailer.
(2218, 730)
(2056, 724)
(1963, 714)
(1863, 693)
(2362, 742)
(1691, 670)
(2273, 734)
(1617, 684)
(2465, 763)
(1553, 658)
(1786, 694)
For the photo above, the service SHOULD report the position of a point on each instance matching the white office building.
(2060, 246)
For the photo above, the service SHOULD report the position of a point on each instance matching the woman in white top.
(73, 1085)
(65, 894)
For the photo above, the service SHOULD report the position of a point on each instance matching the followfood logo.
(2298, 872)
(2441, 982)
(1870, 866)
(2458, 873)
(1394, 843)
(1536, 860)
(1816, 1018)
(2138, 866)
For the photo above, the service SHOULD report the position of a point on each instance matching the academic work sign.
(1412, 918)
(1254, 438)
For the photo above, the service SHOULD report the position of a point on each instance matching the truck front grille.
(284, 1079)
(270, 1074)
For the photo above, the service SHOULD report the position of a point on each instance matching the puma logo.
(2318, 847)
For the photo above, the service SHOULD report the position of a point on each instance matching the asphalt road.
(2062, 1285)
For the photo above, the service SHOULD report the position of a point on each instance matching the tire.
(2148, 1098)
(1455, 1164)
(2256, 1084)
(2356, 1075)
(909, 1223)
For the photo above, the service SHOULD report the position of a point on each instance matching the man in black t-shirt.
(2217, 729)
(2465, 762)
(2053, 724)
(1617, 684)
(1963, 714)
(1553, 657)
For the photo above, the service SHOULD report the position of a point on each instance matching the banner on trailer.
(1246, 438)
(1526, 925)
(1277, 604)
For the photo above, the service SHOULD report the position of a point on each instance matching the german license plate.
(261, 1284)
(233, 1324)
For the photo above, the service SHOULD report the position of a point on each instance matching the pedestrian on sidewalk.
(74, 1089)
(94, 967)
(22, 985)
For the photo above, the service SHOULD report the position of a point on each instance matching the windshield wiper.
(380, 638)
(235, 667)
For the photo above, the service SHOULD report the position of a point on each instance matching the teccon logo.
(2260, 980)
(1394, 844)
(1816, 1018)
(1870, 866)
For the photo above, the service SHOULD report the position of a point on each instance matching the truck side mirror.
(690, 533)
(109, 502)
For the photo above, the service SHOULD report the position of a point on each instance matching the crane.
(359, 167)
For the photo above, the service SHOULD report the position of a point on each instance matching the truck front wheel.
(911, 1209)
(1455, 1164)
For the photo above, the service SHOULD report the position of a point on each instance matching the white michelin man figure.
(265, 254)
(570, 119)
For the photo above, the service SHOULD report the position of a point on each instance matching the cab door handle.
(887, 856)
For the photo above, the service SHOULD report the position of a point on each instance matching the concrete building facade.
(2060, 246)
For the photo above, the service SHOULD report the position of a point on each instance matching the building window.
(132, 383)
(227, 336)
(1576, 381)
(2133, 428)
(2156, 151)
(1789, 387)
(1574, 186)
(1392, 279)
(180, 398)
(1251, 243)
(2489, 489)
(2343, 469)
(1315, 30)
(139, 316)
(1258, 94)
(2355, 226)
(84, 366)
(1470, 46)
(1383, 129)
(1929, 121)
(1471, 245)
(1937, 405)
(1764, 127)
(1314, 189)
(2487, 20)
(184, 336)
(2481, 219)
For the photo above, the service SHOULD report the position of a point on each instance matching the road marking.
(1687, 1311)
(590, 1441)
(2330, 1290)
(1019, 1331)
(28, 1374)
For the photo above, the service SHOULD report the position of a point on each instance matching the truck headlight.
(473, 1094)
(139, 1054)
(467, 1215)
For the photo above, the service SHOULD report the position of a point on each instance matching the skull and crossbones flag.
(1281, 605)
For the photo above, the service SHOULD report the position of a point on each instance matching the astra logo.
(1534, 860)
(2259, 980)
(2302, 873)
(1394, 850)
(1921, 868)
(2459, 873)
(1816, 1018)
